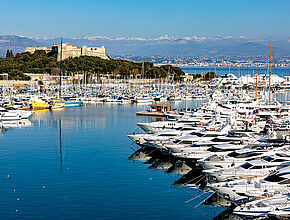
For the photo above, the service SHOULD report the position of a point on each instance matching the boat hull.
(57, 105)
(40, 105)
(73, 104)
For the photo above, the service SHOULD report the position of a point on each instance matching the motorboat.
(6, 115)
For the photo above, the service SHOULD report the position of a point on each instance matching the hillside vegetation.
(40, 62)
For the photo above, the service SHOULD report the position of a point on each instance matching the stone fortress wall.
(69, 50)
(33, 49)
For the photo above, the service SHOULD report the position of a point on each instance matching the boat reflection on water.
(60, 147)
(41, 111)
(195, 177)
(142, 154)
(190, 178)
(160, 164)
(6, 125)
(179, 167)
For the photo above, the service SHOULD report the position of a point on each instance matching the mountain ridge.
(194, 46)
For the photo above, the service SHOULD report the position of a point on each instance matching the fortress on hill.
(69, 50)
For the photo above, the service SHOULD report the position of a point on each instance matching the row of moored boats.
(240, 144)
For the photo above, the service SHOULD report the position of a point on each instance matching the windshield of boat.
(233, 154)
(261, 204)
(274, 178)
(167, 134)
(212, 158)
(246, 165)
(186, 142)
(282, 155)
(244, 155)
(268, 159)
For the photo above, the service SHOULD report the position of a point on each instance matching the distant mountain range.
(196, 46)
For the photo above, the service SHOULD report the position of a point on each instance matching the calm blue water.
(237, 71)
(87, 175)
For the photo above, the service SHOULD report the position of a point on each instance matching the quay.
(157, 110)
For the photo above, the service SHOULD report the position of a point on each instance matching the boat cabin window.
(282, 155)
(233, 154)
(166, 135)
(210, 135)
(252, 154)
(183, 121)
(257, 167)
(279, 160)
(186, 142)
(197, 134)
(187, 129)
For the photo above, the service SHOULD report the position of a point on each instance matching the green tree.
(7, 54)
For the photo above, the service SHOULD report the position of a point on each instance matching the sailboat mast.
(60, 69)
(256, 85)
(270, 75)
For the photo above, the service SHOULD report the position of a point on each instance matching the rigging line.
(204, 200)
(200, 179)
(188, 190)
(191, 180)
(130, 146)
(203, 213)
(152, 151)
(195, 197)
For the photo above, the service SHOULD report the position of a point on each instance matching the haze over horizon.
(195, 37)
(260, 19)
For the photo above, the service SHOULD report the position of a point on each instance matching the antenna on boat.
(142, 72)
(270, 75)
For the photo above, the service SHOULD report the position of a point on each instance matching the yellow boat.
(40, 104)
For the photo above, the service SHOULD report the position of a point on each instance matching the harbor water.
(72, 164)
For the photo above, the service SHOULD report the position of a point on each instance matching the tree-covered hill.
(40, 62)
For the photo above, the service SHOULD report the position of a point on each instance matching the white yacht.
(236, 158)
(6, 115)
(261, 207)
(248, 170)
(159, 136)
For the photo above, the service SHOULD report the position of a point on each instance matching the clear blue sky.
(145, 18)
